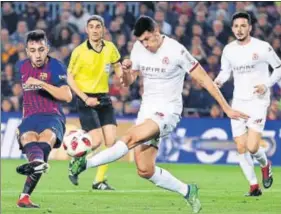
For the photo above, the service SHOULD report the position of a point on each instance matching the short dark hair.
(144, 23)
(243, 15)
(96, 18)
(36, 35)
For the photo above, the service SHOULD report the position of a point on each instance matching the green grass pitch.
(221, 191)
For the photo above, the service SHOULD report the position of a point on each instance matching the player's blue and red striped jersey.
(36, 100)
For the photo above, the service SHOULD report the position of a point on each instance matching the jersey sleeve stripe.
(195, 66)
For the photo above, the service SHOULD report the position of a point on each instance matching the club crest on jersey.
(43, 76)
(255, 56)
(165, 60)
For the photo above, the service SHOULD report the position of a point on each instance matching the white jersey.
(163, 73)
(249, 65)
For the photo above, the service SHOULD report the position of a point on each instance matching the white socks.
(247, 165)
(261, 157)
(164, 179)
(118, 150)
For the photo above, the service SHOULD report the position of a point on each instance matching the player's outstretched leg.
(37, 154)
(253, 143)
(78, 165)
(145, 156)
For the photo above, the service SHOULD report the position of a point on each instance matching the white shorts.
(256, 109)
(166, 121)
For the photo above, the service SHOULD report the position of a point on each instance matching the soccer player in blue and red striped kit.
(44, 83)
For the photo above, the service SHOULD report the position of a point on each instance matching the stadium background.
(202, 137)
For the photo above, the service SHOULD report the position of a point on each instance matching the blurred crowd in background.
(202, 27)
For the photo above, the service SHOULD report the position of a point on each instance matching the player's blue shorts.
(40, 122)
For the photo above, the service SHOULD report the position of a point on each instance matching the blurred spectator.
(19, 35)
(75, 41)
(200, 19)
(167, 8)
(16, 98)
(6, 105)
(115, 29)
(65, 54)
(219, 31)
(7, 80)
(30, 15)
(101, 10)
(9, 17)
(68, 28)
(263, 24)
(180, 36)
(125, 29)
(121, 10)
(4, 38)
(9, 54)
(44, 14)
(276, 44)
(121, 45)
(146, 9)
(165, 27)
(79, 16)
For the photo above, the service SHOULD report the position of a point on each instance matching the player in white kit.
(163, 63)
(247, 59)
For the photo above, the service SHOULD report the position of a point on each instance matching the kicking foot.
(25, 202)
(103, 185)
(76, 166)
(34, 167)
(192, 198)
(267, 178)
(254, 191)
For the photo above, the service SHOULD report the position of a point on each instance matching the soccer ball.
(77, 143)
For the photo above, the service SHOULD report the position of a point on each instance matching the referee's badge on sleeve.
(107, 68)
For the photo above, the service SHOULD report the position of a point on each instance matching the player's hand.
(32, 81)
(126, 65)
(233, 114)
(260, 89)
(218, 83)
(92, 101)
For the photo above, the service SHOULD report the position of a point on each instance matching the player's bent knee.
(29, 137)
(145, 173)
(130, 139)
(253, 148)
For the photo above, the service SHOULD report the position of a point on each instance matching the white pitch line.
(123, 191)
(84, 191)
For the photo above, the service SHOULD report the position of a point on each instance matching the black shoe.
(103, 185)
(34, 167)
(254, 191)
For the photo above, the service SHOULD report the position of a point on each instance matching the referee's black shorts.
(98, 116)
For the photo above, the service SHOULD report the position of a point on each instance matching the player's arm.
(189, 64)
(61, 93)
(201, 76)
(225, 71)
(274, 61)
